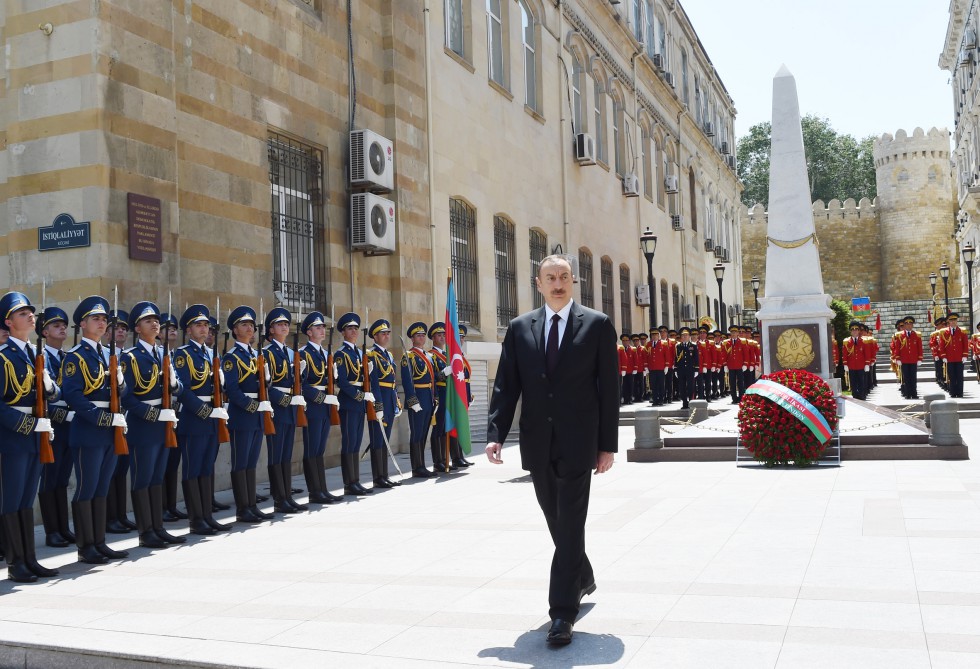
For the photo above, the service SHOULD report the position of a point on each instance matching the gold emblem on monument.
(794, 349)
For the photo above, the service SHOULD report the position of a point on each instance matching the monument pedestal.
(797, 334)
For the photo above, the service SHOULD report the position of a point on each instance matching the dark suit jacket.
(573, 414)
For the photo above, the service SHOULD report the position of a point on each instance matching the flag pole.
(449, 280)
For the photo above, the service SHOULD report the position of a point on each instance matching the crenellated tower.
(916, 211)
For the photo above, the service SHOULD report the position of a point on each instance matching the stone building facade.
(884, 249)
(236, 114)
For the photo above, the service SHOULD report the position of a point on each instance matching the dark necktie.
(156, 356)
(551, 350)
(30, 352)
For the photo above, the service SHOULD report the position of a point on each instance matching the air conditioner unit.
(584, 149)
(631, 185)
(709, 244)
(677, 222)
(372, 223)
(730, 160)
(658, 61)
(718, 251)
(724, 148)
(709, 129)
(669, 79)
(371, 161)
(670, 183)
(642, 292)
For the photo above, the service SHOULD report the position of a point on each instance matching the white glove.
(268, 374)
(119, 420)
(725, 368)
(174, 381)
(265, 406)
(398, 411)
(846, 369)
(867, 368)
(332, 399)
(49, 386)
(416, 407)
(447, 371)
(379, 415)
(695, 375)
(623, 373)
(167, 416)
(44, 425)
(369, 397)
(219, 412)
(119, 376)
(370, 367)
(335, 371)
(221, 375)
(744, 367)
(645, 372)
(297, 401)
(70, 417)
(302, 366)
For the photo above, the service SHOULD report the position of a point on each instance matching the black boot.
(121, 485)
(377, 469)
(242, 513)
(253, 497)
(170, 511)
(206, 486)
(112, 524)
(61, 503)
(321, 472)
(312, 481)
(156, 517)
(279, 504)
(144, 520)
(417, 454)
(215, 504)
(49, 516)
(456, 451)
(98, 530)
(288, 489)
(85, 533)
(438, 448)
(384, 470)
(17, 569)
(30, 552)
(192, 500)
(352, 483)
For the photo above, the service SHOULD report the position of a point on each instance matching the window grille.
(676, 295)
(462, 231)
(664, 304)
(505, 270)
(539, 249)
(605, 281)
(625, 313)
(585, 278)
(298, 230)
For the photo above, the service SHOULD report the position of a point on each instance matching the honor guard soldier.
(975, 349)
(755, 356)
(701, 383)
(86, 387)
(316, 385)
(685, 366)
(148, 421)
(639, 367)
(212, 339)
(279, 363)
(644, 356)
(940, 323)
(210, 344)
(245, 414)
(20, 428)
(350, 370)
(117, 520)
(437, 333)
(455, 450)
(717, 381)
(168, 331)
(418, 378)
(909, 356)
(659, 364)
(385, 403)
(871, 346)
(198, 416)
(757, 339)
(625, 369)
(736, 363)
(855, 358)
(52, 496)
(893, 349)
(954, 348)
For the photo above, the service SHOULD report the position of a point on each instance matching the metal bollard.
(699, 411)
(646, 425)
(945, 424)
(929, 399)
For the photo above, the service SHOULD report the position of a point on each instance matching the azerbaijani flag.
(861, 307)
(457, 409)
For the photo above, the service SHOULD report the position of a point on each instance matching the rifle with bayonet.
(119, 435)
(217, 397)
(268, 427)
(46, 453)
(170, 438)
(334, 412)
(301, 420)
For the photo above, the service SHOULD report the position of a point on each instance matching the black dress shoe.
(392, 484)
(422, 473)
(380, 483)
(560, 633)
(587, 590)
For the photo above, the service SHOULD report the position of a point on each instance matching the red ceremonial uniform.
(736, 353)
(975, 345)
(854, 351)
(705, 355)
(906, 347)
(954, 344)
(659, 359)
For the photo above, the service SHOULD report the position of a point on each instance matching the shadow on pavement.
(585, 650)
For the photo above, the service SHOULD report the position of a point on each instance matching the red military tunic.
(854, 352)
(906, 347)
(954, 344)
(736, 353)
(659, 359)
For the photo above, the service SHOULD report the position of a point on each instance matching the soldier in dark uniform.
(117, 521)
(385, 403)
(318, 402)
(168, 330)
(685, 366)
(86, 387)
(704, 364)
(210, 344)
(625, 369)
(279, 363)
(350, 391)
(245, 414)
(418, 376)
(455, 450)
(143, 370)
(20, 465)
(437, 333)
(198, 416)
(52, 495)
(639, 367)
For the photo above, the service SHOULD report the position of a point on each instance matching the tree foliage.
(838, 165)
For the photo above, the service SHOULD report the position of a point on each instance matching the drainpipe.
(430, 155)
(562, 139)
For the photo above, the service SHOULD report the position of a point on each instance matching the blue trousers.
(148, 463)
(315, 436)
(351, 430)
(94, 465)
(197, 452)
(418, 424)
(280, 445)
(246, 445)
(58, 473)
(19, 476)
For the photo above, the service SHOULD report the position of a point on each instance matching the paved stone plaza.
(874, 564)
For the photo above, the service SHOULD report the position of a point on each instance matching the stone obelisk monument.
(795, 313)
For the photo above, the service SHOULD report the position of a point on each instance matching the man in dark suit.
(562, 360)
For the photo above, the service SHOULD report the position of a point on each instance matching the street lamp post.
(648, 241)
(755, 289)
(944, 273)
(720, 276)
(932, 281)
(969, 254)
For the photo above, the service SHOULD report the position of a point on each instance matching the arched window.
(651, 43)
(647, 160)
(685, 94)
(495, 41)
(538, 243)
(619, 136)
(505, 270)
(675, 294)
(585, 277)
(462, 232)
(661, 157)
(625, 313)
(599, 110)
(638, 19)
(694, 202)
(664, 303)
(606, 286)
(530, 56)
(578, 98)
(662, 42)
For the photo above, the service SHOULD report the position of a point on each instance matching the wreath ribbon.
(796, 243)
(795, 404)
